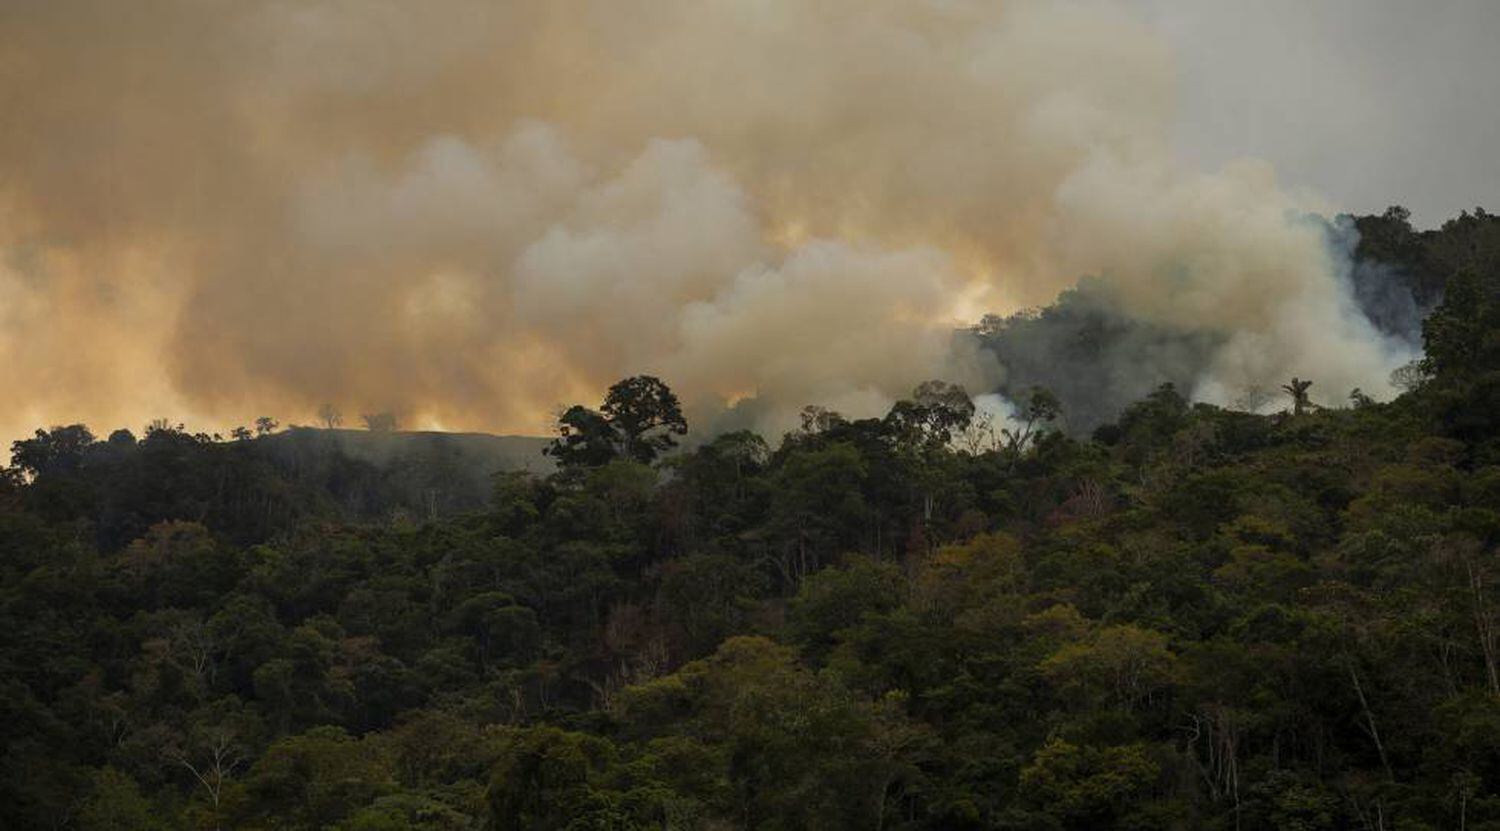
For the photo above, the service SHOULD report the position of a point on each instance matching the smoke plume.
(472, 212)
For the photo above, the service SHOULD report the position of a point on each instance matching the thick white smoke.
(472, 212)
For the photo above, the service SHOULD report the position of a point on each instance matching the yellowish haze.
(472, 212)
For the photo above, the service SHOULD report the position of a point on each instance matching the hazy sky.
(472, 212)
(1366, 101)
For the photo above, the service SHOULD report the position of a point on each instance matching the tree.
(1297, 389)
(1409, 376)
(935, 411)
(922, 428)
(500, 627)
(382, 422)
(638, 421)
(240, 433)
(836, 598)
(708, 597)
(61, 450)
(213, 749)
(330, 416)
(1460, 336)
(1088, 787)
(817, 419)
(116, 802)
(1041, 408)
(646, 414)
(816, 506)
(1122, 665)
(265, 426)
(585, 438)
(548, 780)
(792, 748)
(1252, 398)
(313, 780)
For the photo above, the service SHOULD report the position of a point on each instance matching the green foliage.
(1460, 336)
(115, 801)
(838, 598)
(1089, 787)
(1123, 666)
(312, 780)
(548, 779)
(710, 597)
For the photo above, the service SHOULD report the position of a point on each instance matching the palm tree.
(1297, 389)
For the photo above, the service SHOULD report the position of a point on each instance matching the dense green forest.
(1188, 617)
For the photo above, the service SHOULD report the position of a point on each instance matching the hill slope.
(1196, 618)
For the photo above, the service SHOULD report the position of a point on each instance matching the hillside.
(1191, 618)
(447, 471)
(384, 449)
(252, 490)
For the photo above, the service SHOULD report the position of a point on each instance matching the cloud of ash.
(471, 213)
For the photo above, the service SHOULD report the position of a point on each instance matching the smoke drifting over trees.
(1099, 359)
(469, 213)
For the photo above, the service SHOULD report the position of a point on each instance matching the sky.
(1368, 102)
(473, 213)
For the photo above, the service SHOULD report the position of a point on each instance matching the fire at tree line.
(1175, 616)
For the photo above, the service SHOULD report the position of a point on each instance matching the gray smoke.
(471, 213)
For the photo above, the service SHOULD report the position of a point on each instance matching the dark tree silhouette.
(380, 422)
(935, 411)
(585, 438)
(1297, 389)
(639, 420)
(60, 449)
(330, 416)
(645, 412)
(1042, 407)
